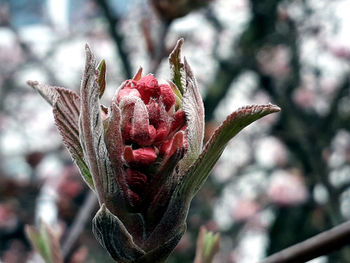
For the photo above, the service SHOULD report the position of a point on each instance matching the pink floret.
(148, 87)
(135, 179)
(128, 92)
(145, 156)
(167, 96)
(179, 120)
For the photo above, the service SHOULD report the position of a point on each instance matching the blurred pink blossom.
(8, 218)
(304, 97)
(274, 61)
(245, 209)
(70, 184)
(287, 188)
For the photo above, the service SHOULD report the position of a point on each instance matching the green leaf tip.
(208, 244)
(101, 79)
(177, 67)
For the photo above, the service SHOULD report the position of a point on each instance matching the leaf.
(114, 237)
(177, 67)
(91, 132)
(37, 242)
(177, 93)
(208, 245)
(162, 182)
(196, 175)
(66, 104)
(172, 221)
(49, 93)
(193, 107)
(101, 80)
(114, 140)
(115, 147)
(45, 242)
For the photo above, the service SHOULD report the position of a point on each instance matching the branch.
(319, 245)
(332, 119)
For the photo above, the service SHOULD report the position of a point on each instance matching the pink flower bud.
(150, 132)
(142, 156)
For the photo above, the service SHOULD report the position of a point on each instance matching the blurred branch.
(79, 223)
(332, 119)
(113, 21)
(262, 24)
(212, 18)
(317, 246)
(160, 50)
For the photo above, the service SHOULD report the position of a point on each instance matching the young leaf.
(161, 253)
(45, 242)
(194, 110)
(208, 245)
(101, 80)
(114, 237)
(234, 123)
(177, 67)
(49, 93)
(138, 74)
(66, 105)
(91, 133)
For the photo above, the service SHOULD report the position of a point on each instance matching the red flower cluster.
(153, 128)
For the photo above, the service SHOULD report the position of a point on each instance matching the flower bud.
(143, 155)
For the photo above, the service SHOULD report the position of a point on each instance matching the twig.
(78, 225)
(319, 245)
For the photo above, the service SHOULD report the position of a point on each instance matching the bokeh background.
(282, 180)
